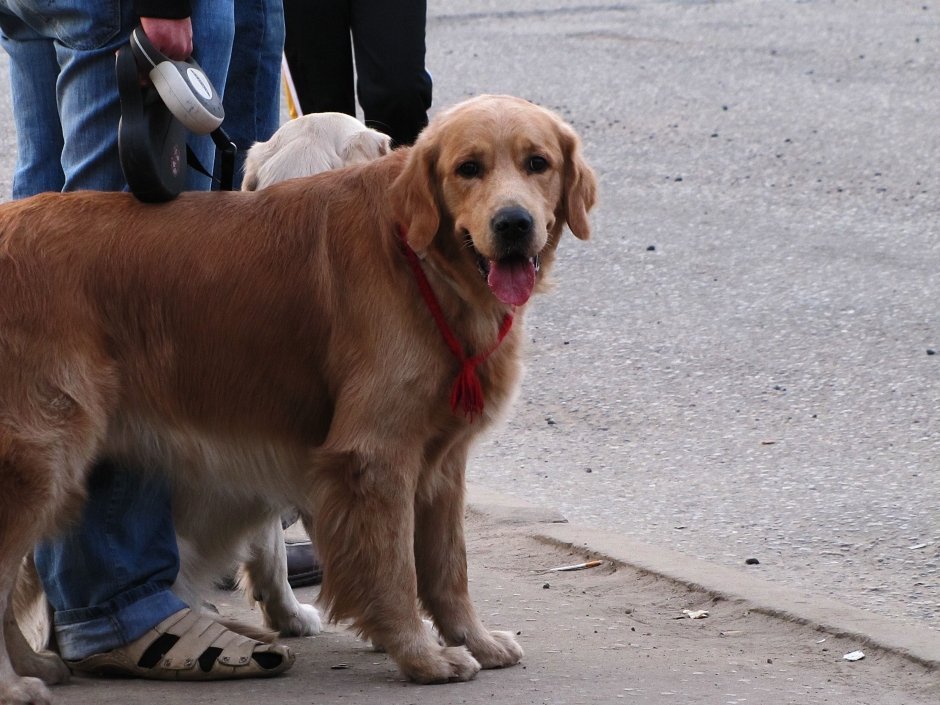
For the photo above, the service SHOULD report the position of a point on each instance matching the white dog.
(312, 144)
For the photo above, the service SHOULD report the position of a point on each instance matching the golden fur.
(259, 347)
(305, 146)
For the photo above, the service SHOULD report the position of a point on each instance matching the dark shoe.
(303, 568)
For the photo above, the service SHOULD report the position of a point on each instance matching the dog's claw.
(498, 651)
(453, 663)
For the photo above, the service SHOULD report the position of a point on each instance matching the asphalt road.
(759, 384)
(737, 364)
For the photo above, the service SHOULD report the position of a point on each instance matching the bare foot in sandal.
(189, 646)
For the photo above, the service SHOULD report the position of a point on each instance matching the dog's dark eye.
(469, 169)
(536, 164)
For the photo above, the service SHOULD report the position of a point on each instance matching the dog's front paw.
(442, 665)
(496, 650)
(24, 691)
(304, 620)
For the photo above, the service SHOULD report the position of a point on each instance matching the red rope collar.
(467, 392)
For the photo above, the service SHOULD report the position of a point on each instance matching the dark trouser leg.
(319, 54)
(394, 87)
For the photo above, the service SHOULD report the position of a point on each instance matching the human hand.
(171, 37)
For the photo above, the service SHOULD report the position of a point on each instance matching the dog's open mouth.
(510, 278)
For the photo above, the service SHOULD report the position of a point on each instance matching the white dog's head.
(309, 145)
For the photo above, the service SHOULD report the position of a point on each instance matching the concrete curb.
(913, 642)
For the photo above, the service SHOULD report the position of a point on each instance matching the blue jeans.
(109, 577)
(65, 101)
(252, 94)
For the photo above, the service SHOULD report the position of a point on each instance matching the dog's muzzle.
(511, 276)
(512, 228)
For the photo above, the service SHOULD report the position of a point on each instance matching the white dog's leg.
(31, 615)
(44, 665)
(265, 581)
(16, 688)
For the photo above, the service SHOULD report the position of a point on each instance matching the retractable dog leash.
(182, 85)
(154, 117)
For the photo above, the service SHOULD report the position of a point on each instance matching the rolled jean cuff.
(84, 632)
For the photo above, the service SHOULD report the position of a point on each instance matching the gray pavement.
(616, 633)
(758, 385)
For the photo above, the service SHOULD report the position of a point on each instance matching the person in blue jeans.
(109, 577)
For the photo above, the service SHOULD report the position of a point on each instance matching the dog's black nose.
(512, 223)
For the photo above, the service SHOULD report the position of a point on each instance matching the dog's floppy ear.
(580, 187)
(414, 196)
(365, 146)
(250, 182)
(257, 155)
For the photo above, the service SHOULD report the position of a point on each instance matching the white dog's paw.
(433, 633)
(303, 621)
(24, 691)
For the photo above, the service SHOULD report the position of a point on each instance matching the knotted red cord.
(467, 392)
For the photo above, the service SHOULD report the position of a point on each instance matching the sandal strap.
(175, 624)
(236, 648)
(196, 634)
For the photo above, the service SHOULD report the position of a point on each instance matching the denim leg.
(109, 579)
(252, 90)
(213, 35)
(90, 110)
(33, 70)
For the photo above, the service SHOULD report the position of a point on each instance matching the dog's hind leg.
(23, 509)
(265, 581)
(441, 565)
(44, 665)
(32, 612)
(50, 429)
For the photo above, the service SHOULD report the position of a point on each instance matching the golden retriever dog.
(305, 146)
(309, 145)
(338, 340)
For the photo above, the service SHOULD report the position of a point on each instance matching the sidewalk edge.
(913, 642)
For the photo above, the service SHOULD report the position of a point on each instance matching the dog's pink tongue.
(512, 280)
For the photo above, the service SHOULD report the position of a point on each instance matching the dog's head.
(309, 145)
(487, 189)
